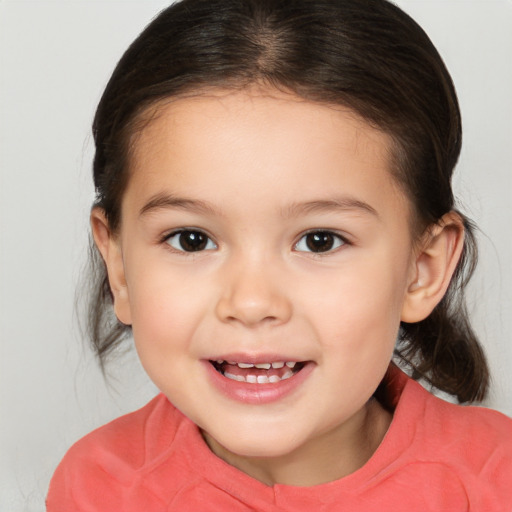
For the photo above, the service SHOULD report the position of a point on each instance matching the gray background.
(55, 58)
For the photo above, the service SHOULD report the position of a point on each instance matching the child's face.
(264, 229)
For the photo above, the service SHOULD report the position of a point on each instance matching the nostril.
(253, 299)
(248, 312)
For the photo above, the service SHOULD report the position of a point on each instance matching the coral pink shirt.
(435, 457)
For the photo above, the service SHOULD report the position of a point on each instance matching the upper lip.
(256, 358)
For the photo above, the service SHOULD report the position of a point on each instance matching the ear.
(110, 249)
(433, 267)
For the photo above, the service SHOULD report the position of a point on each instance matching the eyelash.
(201, 236)
(336, 239)
(205, 242)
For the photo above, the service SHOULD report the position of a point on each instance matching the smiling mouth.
(260, 373)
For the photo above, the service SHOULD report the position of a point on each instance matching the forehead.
(237, 111)
(259, 142)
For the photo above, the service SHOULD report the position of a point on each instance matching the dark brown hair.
(367, 55)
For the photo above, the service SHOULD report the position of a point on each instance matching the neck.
(328, 457)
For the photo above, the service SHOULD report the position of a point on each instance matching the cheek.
(361, 312)
(165, 310)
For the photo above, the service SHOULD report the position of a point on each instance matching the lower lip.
(257, 393)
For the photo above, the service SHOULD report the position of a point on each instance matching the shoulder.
(113, 455)
(438, 422)
(130, 440)
(483, 430)
(473, 443)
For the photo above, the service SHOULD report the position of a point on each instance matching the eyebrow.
(164, 201)
(344, 203)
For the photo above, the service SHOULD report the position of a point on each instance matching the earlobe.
(435, 262)
(110, 250)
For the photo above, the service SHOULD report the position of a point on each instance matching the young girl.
(275, 221)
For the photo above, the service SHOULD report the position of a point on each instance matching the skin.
(255, 170)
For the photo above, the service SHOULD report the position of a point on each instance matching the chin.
(258, 445)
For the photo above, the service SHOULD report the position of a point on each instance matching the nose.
(252, 294)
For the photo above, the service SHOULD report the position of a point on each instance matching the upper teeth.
(265, 366)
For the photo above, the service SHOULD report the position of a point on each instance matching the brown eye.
(188, 240)
(319, 241)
